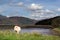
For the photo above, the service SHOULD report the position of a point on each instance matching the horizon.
(30, 18)
(40, 9)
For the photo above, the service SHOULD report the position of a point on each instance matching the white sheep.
(17, 29)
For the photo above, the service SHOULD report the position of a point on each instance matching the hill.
(22, 20)
(4, 20)
(55, 21)
(16, 20)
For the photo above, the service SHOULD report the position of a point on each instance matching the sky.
(34, 9)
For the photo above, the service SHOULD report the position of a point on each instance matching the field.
(8, 35)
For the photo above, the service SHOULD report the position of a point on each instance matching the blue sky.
(35, 9)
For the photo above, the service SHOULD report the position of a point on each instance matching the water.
(39, 30)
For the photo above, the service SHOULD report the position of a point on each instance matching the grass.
(56, 31)
(8, 35)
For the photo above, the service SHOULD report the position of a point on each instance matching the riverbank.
(8, 35)
(56, 31)
(26, 26)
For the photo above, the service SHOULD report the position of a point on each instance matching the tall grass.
(8, 35)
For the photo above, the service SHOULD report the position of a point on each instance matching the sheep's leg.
(17, 32)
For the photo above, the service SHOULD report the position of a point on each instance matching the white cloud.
(58, 9)
(20, 4)
(34, 6)
(39, 12)
(47, 10)
(40, 16)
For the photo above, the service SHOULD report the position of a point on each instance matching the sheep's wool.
(17, 28)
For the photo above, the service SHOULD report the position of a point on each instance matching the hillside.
(22, 20)
(4, 20)
(50, 21)
(16, 20)
(26, 22)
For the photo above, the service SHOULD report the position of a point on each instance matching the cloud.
(39, 12)
(34, 6)
(20, 4)
(47, 10)
(58, 9)
(36, 11)
(39, 16)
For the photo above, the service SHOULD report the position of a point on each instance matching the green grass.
(8, 35)
(56, 31)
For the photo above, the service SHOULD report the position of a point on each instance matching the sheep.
(17, 29)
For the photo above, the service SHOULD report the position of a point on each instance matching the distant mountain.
(22, 20)
(49, 21)
(25, 21)
(2, 17)
(16, 20)
(4, 20)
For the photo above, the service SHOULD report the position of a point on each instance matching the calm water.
(39, 30)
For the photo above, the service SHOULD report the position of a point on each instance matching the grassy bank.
(7, 35)
(56, 31)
